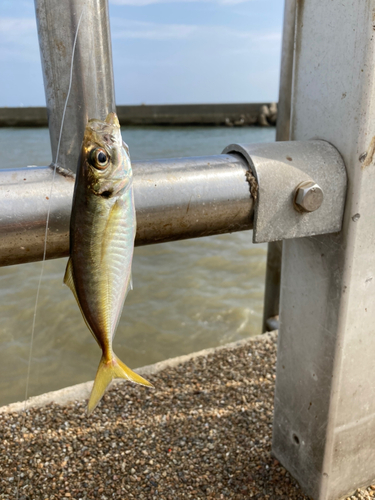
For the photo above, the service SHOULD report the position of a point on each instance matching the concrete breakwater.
(230, 115)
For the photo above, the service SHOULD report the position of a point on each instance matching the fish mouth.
(107, 132)
(112, 119)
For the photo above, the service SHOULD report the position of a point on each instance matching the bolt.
(356, 217)
(308, 197)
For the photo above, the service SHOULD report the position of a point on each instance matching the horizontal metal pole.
(174, 198)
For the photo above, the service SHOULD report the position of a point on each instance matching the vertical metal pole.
(286, 72)
(273, 268)
(324, 423)
(92, 89)
(272, 287)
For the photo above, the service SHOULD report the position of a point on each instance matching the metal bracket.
(279, 168)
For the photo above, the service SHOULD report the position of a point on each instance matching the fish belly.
(101, 255)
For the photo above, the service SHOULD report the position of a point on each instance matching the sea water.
(188, 295)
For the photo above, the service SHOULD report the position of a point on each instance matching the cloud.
(129, 29)
(150, 31)
(15, 26)
(270, 37)
(19, 39)
(142, 3)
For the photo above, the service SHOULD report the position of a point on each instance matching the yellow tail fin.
(107, 371)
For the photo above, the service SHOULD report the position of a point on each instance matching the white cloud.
(16, 26)
(150, 31)
(19, 39)
(142, 3)
(127, 29)
(232, 2)
(270, 37)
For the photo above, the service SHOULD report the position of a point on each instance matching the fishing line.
(45, 248)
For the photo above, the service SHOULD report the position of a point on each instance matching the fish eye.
(99, 158)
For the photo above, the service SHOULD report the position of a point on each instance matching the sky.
(164, 51)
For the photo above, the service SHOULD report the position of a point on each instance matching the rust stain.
(187, 210)
(253, 184)
(61, 48)
(370, 154)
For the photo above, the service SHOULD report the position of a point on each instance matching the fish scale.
(102, 232)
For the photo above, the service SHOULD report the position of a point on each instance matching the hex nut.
(308, 197)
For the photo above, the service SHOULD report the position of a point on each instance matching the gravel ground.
(203, 433)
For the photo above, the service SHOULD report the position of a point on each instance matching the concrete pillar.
(324, 424)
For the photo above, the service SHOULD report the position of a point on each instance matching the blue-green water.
(187, 295)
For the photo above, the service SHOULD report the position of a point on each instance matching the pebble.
(203, 433)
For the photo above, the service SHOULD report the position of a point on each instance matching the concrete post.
(324, 424)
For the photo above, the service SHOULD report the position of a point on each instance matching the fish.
(102, 232)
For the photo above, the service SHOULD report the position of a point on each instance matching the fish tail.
(107, 371)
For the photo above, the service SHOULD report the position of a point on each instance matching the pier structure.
(324, 423)
(227, 114)
(314, 192)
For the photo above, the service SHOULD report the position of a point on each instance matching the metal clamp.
(301, 188)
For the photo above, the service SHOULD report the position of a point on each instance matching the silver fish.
(102, 232)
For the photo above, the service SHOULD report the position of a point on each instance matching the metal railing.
(174, 198)
(324, 401)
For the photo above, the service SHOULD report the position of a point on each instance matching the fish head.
(105, 160)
